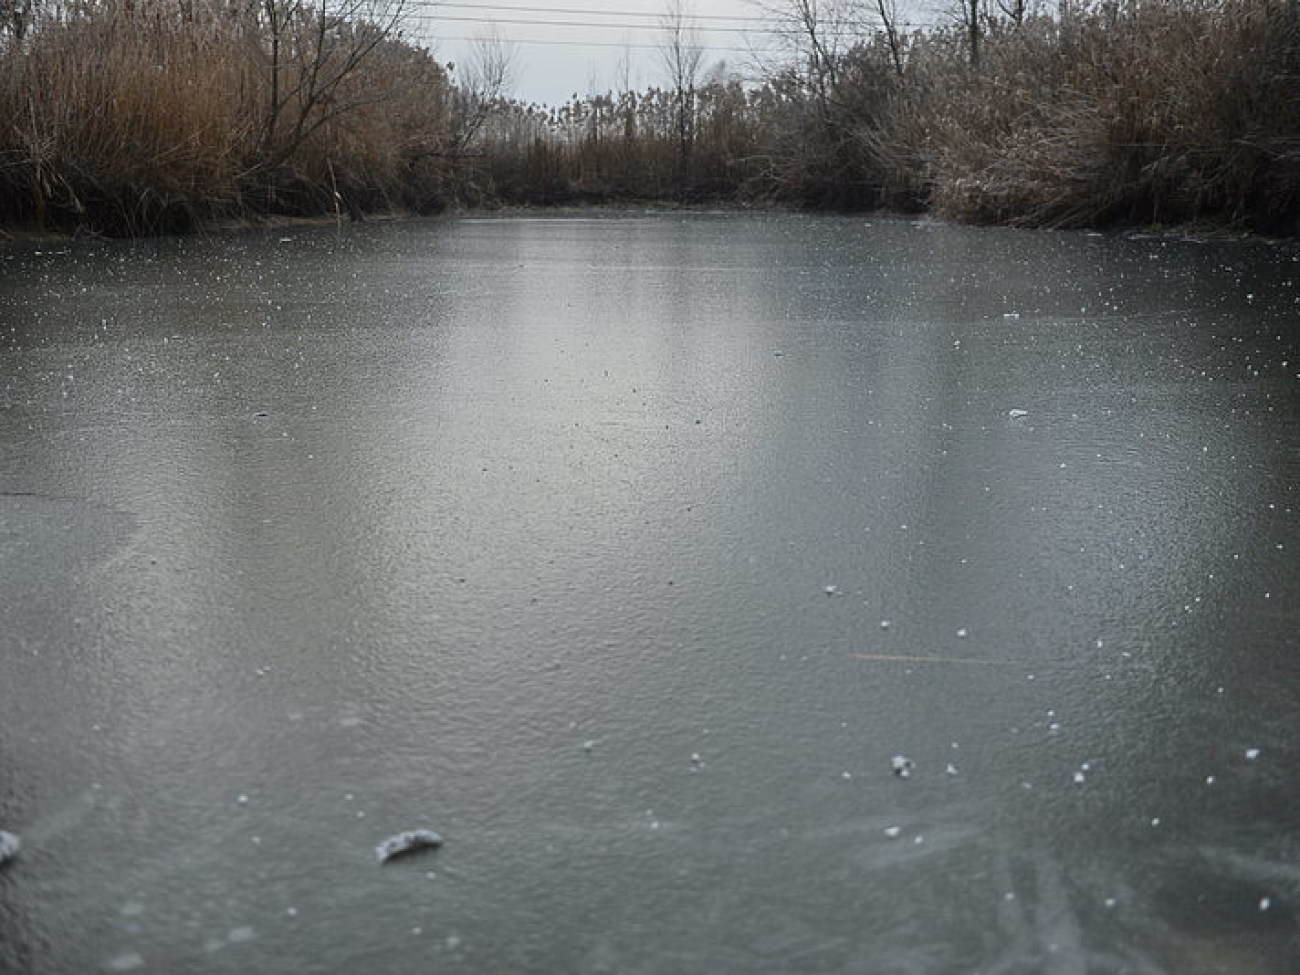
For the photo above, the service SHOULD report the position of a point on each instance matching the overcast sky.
(563, 47)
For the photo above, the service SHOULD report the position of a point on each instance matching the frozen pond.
(627, 552)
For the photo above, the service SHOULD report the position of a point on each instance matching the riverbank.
(1106, 115)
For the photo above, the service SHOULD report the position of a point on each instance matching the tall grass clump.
(154, 115)
(1152, 112)
(622, 146)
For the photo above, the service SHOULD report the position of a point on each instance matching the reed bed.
(145, 117)
(139, 116)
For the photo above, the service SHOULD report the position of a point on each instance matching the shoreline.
(25, 238)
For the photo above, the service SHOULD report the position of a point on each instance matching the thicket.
(1103, 112)
(140, 116)
(134, 116)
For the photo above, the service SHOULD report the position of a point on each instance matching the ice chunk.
(9, 847)
(903, 766)
(1017, 414)
(408, 842)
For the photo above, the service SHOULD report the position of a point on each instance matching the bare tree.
(310, 52)
(681, 53)
(888, 12)
(1014, 10)
(970, 17)
(483, 83)
(818, 33)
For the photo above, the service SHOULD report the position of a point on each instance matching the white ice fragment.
(902, 766)
(893, 831)
(1252, 753)
(831, 590)
(962, 633)
(884, 624)
(1110, 902)
(588, 745)
(1155, 821)
(1209, 780)
(696, 760)
(242, 800)
(1265, 903)
(1017, 414)
(240, 934)
(9, 847)
(407, 842)
(951, 769)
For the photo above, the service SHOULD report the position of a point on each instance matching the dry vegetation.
(136, 116)
(1112, 112)
(1152, 112)
(133, 116)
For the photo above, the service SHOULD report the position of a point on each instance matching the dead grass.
(1158, 112)
(154, 117)
(149, 120)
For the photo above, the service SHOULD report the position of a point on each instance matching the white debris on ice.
(9, 847)
(407, 842)
(902, 766)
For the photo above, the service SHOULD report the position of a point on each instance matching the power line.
(611, 44)
(659, 16)
(772, 24)
(427, 16)
(460, 18)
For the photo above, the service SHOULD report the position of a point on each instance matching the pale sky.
(563, 47)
